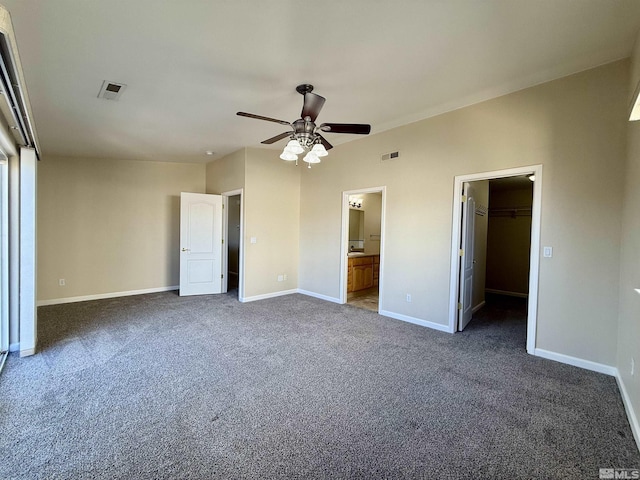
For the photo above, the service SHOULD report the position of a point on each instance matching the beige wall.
(629, 314)
(272, 216)
(110, 225)
(509, 240)
(573, 126)
(226, 174)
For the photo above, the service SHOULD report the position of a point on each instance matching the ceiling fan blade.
(312, 105)
(359, 128)
(327, 145)
(260, 117)
(271, 140)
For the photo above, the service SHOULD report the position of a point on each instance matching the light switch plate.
(254, 240)
(547, 252)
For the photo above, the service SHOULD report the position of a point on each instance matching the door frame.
(534, 259)
(225, 236)
(344, 242)
(4, 253)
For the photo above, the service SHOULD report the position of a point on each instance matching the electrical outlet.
(280, 278)
(61, 282)
(285, 277)
(408, 298)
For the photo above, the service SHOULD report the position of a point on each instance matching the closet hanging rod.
(517, 209)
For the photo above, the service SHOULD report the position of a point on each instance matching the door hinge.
(223, 241)
(459, 306)
(463, 198)
(222, 275)
(461, 252)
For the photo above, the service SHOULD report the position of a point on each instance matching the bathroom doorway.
(362, 247)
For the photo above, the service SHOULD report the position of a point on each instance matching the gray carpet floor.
(162, 386)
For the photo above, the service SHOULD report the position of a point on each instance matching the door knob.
(186, 249)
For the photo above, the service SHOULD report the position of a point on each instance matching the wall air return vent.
(390, 156)
(111, 90)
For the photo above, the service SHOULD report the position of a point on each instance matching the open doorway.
(497, 229)
(362, 247)
(508, 236)
(495, 246)
(232, 251)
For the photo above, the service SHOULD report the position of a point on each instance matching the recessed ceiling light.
(209, 152)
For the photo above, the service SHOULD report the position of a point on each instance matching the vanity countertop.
(361, 254)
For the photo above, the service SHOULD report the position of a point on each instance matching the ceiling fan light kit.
(304, 134)
(294, 147)
(311, 158)
(319, 150)
(288, 156)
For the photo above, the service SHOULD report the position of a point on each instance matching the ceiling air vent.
(390, 156)
(111, 90)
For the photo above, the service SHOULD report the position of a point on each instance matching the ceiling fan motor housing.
(305, 130)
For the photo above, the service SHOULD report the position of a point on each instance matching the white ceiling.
(190, 65)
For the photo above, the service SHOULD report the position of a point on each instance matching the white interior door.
(200, 244)
(466, 260)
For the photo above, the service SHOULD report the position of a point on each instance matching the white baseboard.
(320, 296)
(416, 321)
(505, 292)
(576, 362)
(631, 414)
(268, 295)
(14, 347)
(478, 307)
(100, 296)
